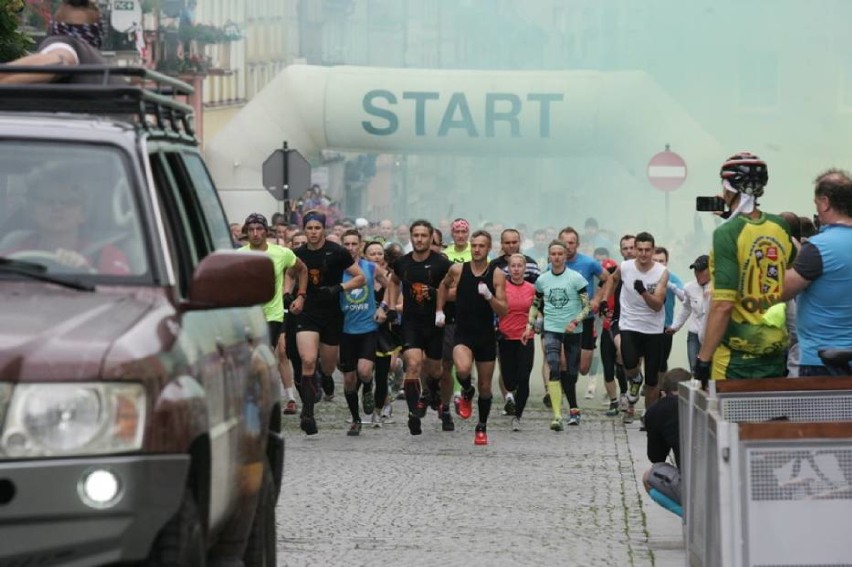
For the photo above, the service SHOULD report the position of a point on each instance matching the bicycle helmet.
(746, 173)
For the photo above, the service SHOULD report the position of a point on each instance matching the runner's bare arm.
(392, 294)
(447, 287)
(358, 279)
(498, 301)
(657, 300)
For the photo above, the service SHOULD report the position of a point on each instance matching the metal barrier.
(764, 493)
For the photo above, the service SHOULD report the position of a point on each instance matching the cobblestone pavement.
(533, 497)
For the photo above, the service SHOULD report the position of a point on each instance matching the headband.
(313, 216)
(460, 224)
(256, 218)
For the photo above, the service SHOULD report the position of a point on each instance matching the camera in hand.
(710, 204)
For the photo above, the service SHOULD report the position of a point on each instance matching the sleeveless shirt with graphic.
(359, 304)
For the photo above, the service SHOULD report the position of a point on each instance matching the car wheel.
(262, 544)
(181, 541)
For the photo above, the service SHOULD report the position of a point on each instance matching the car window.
(70, 209)
(209, 201)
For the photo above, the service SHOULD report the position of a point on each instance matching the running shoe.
(480, 437)
(574, 417)
(516, 424)
(613, 409)
(354, 429)
(590, 391)
(627, 419)
(387, 412)
(634, 387)
(464, 404)
(368, 400)
(509, 408)
(309, 425)
(420, 407)
(414, 424)
(400, 394)
(546, 401)
(375, 421)
(291, 408)
(447, 423)
(556, 424)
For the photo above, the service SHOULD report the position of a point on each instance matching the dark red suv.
(139, 397)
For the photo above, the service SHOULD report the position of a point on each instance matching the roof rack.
(128, 91)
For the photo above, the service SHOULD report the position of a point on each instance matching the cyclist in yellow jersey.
(751, 251)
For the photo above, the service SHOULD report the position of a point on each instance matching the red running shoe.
(480, 437)
(291, 408)
(464, 405)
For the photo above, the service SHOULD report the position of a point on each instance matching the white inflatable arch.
(624, 116)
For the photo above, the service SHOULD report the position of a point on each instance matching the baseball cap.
(361, 222)
(700, 263)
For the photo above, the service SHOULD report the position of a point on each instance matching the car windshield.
(69, 210)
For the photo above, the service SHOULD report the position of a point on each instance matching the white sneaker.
(516, 424)
(387, 414)
(375, 420)
(590, 392)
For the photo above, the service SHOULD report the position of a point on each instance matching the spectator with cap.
(821, 277)
(695, 306)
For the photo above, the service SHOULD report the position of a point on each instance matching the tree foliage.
(13, 42)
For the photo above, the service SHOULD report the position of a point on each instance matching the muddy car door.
(211, 345)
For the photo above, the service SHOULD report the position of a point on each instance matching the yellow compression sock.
(555, 391)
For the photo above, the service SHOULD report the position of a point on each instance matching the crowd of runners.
(430, 314)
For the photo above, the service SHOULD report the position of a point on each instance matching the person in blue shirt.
(358, 342)
(821, 278)
(592, 272)
(674, 289)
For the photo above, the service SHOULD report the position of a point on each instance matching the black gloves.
(702, 372)
(639, 286)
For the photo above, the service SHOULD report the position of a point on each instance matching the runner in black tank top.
(480, 293)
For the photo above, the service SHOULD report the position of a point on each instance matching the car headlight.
(45, 420)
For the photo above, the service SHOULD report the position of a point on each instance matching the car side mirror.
(229, 278)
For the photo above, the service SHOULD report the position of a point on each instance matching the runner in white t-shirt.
(641, 320)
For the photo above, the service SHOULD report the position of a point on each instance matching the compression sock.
(484, 406)
(466, 386)
(352, 403)
(412, 393)
(309, 395)
(554, 388)
(569, 386)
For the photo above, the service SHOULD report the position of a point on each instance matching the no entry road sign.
(666, 171)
